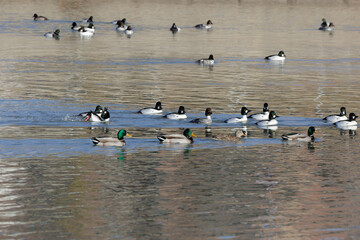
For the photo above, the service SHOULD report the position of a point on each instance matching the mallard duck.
(241, 119)
(206, 120)
(150, 111)
(39, 18)
(186, 137)
(300, 137)
(208, 25)
(237, 136)
(347, 123)
(270, 122)
(337, 117)
(207, 61)
(55, 34)
(261, 116)
(176, 116)
(75, 27)
(175, 28)
(110, 141)
(98, 111)
(94, 117)
(277, 57)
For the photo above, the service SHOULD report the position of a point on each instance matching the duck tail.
(95, 140)
(161, 138)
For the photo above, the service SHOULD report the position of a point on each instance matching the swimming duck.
(208, 25)
(337, 117)
(175, 28)
(279, 57)
(98, 111)
(347, 123)
(88, 20)
(75, 27)
(243, 118)
(150, 111)
(53, 34)
(85, 33)
(270, 122)
(121, 26)
(206, 61)
(39, 18)
(129, 31)
(94, 117)
(261, 116)
(176, 116)
(90, 28)
(116, 22)
(326, 26)
(110, 141)
(186, 137)
(300, 137)
(206, 120)
(237, 136)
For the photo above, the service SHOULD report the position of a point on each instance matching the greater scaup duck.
(186, 137)
(150, 111)
(237, 136)
(207, 61)
(174, 28)
(39, 18)
(241, 119)
(208, 25)
(110, 141)
(176, 116)
(55, 34)
(278, 57)
(270, 122)
(300, 137)
(206, 120)
(347, 123)
(337, 117)
(261, 116)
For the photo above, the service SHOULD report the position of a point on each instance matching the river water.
(54, 184)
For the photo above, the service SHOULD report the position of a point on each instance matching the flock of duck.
(265, 119)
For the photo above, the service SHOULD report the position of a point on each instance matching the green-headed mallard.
(300, 137)
(110, 141)
(186, 137)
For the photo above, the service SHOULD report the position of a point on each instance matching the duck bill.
(193, 135)
(128, 135)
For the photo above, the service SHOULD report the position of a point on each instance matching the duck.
(75, 27)
(301, 137)
(90, 28)
(85, 33)
(337, 117)
(88, 20)
(175, 28)
(347, 123)
(116, 22)
(206, 120)
(53, 34)
(129, 31)
(269, 122)
(150, 111)
(94, 117)
(326, 26)
(243, 117)
(180, 114)
(237, 136)
(39, 18)
(261, 116)
(208, 25)
(98, 110)
(121, 26)
(276, 57)
(110, 141)
(186, 137)
(207, 61)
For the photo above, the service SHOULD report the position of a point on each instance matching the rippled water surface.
(56, 185)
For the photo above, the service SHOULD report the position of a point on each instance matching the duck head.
(208, 112)
(188, 134)
(245, 111)
(352, 117)
(266, 107)
(311, 131)
(281, 54)
(158, 106)
(181, 110)
(342, 111)
(122, 133)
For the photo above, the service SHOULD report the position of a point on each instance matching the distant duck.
(270, 122)
(121, 26)
(110, 141)
(85, 33)
(206, 61)
(237, 136)
(98, 111)
(55, 34)
(175, 28)
(176, 116)
(279, 57)
(39, 18)
(208, 25)
(75, 27)
(117, 21)
(326, 26)
(347, 123)
(90, 28)
(88, 20)
(151, 111)
(186, 137)
(337, 117)
(206, 120)
(129, 31)
(241, 119)
(94, 117)
(261, 116)
(300, 137)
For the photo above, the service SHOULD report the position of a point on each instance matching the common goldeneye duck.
(176, 116)
(39, 18)
(94, 117)
(206, 120)
(208, 25)
(326, 26)
(129, 30)
(337, 117)
(88, 20)
(83, 32)
(117, 21)
(270, 122)
(109, 141)
(186, 137)
(279, 57)
(90, 28)
(149, 111)
(207, 61)
(261, 116)
(53, 34)
(75, 27)
(300, 137)
(121, 26)
(237, 136)
(174, 28)
(243, 117)
(98, 111)
(347, 123)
